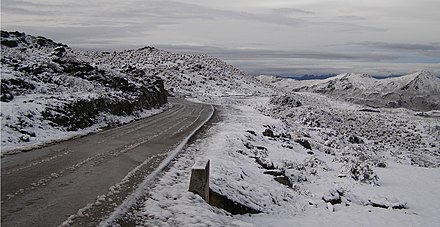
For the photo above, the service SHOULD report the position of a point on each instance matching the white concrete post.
(199, 181)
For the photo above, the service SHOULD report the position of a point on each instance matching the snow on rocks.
(289, 186)
(387, 203)
(399, 134)
(333, 196)
(51, 92)
(190, 75)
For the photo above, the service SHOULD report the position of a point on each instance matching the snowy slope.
(417, 91)
(360, 168)
(198, 76)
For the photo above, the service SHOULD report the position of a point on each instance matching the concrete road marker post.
(199, 181)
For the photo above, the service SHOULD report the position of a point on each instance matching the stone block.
(199, 181)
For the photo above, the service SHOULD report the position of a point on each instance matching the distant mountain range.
(419, 91)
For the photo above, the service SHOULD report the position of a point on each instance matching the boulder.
(332, 197)
(305, 143)
(269, 133)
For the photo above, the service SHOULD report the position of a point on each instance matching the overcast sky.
(281, 37)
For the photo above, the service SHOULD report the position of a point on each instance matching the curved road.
(45, 186)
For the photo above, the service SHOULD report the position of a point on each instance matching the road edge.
(133, 197)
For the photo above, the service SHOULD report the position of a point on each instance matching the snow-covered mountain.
(50, 91)
(417, 91)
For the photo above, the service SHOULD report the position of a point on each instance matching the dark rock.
(283, 180)
(251, 132)
(361, 171)
(248, 146)
(287, 146)
(18, 34)
(233, 207)
(83, 113)
(286, 101)
(9, 43)
(274, 172)
(31, 134)
(355, 140)
(261, 148)
(76, 68)
(296, 175)
(4, 34)
(305, 143)
(369, 110)
(149, 48)
(381, 164)
(25, 138)
(264, 164)
(241, 152)
(59, 51)
(285, 135)
(332, 197)
(42, 41)
(13, 87)
(269, 133)
(6, 96)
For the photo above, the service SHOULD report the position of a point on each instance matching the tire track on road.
(51, 182)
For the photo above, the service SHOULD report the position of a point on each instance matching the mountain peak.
(426, 75)
(352, 75)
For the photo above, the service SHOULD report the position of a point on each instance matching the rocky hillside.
(418, 91)
(48, 90)
(190, 75)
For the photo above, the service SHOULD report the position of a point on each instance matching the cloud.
(259, 35)
(23, 11)
(21, 3)
(351, 18)
(291, 11)
(154, 11)
(300, 67)
(242, 53)
(401, 46)
(298, 63)
(25, 8)
(409, 52)
(37, 8)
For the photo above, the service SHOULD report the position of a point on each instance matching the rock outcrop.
(46, 85)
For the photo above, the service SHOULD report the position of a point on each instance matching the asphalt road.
(43, 187)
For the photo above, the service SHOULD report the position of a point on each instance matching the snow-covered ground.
(334, 184)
